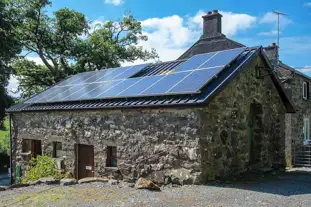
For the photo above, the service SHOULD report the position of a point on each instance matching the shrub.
(42, 166)
(68, 174)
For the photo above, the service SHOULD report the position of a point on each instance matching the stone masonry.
(293, 83)
(205, 143)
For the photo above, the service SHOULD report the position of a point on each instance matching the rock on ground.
(92, 179)
(3, 188)
(143, 183)
(68, 181)
(180, 176)
(113, 182)
(49, 180)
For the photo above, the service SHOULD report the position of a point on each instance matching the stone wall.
(203, 143)
(304, 109)
(229, 132)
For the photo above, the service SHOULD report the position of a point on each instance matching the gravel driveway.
(281, 189)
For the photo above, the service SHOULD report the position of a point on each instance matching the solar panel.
(73, 78)
(222, 58)
(91, 91)
(139, 86)
(92, 77)
(194, 62)
(195, 81)
(55, 93)
(113, 91)
(130, 71)
(213, 59)
(43, 94)
(187, 78)
(164, 84)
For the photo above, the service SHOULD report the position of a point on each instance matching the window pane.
(57, 149)
(114, 157)
(26, 145)
(111, 157)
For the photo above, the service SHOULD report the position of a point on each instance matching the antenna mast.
(278, 42)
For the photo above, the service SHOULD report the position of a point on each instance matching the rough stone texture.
(18, 185)
(112, 182)
(68, 181)
(3, 188)
(143, 183)
(211, 141)
(36, 182)
(92, 180)
(295, 121)
(49, 180)
(180, 176)
(293, 83)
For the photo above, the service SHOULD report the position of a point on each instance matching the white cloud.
(272, 18)
(171, 36)
(13, 86)
(36, 59)
(271, 33)
(307, 4)
(114, 2)
(305, 70)
(231, 22)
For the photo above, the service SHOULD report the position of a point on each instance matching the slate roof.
(210, 44)
(208, 91)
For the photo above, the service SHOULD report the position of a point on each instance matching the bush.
(42, 166)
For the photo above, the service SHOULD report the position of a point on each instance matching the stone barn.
(206, 117)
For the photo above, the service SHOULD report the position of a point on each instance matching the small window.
(305, 90)
(111, 157)
(57, 149)
(33, 147)
(306, 129)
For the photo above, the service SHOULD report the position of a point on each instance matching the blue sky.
(174, 25)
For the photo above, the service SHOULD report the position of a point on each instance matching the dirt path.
(283, 189)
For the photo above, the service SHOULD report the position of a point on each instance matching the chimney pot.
(273, 44)
(209, 12)
(215, 11)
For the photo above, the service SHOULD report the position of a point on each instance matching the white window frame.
(306, 130)
(304, 90)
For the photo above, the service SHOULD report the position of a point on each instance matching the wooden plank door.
(85, 160)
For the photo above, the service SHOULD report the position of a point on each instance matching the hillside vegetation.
(4, 138)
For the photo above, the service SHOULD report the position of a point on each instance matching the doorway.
(255, 133)
(85, 161)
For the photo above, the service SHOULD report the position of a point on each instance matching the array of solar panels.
(187, 78)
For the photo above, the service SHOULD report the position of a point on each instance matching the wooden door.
(85, 160)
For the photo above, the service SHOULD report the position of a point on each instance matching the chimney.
(272, 52)
(212, 24)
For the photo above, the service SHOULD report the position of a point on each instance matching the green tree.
(66, 45)
(9, 48)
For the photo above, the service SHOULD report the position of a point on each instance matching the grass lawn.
(4, 137)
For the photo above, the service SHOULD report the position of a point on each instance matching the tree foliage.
(9, 48)
(67, 45)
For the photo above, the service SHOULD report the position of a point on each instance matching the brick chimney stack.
(212, 24)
